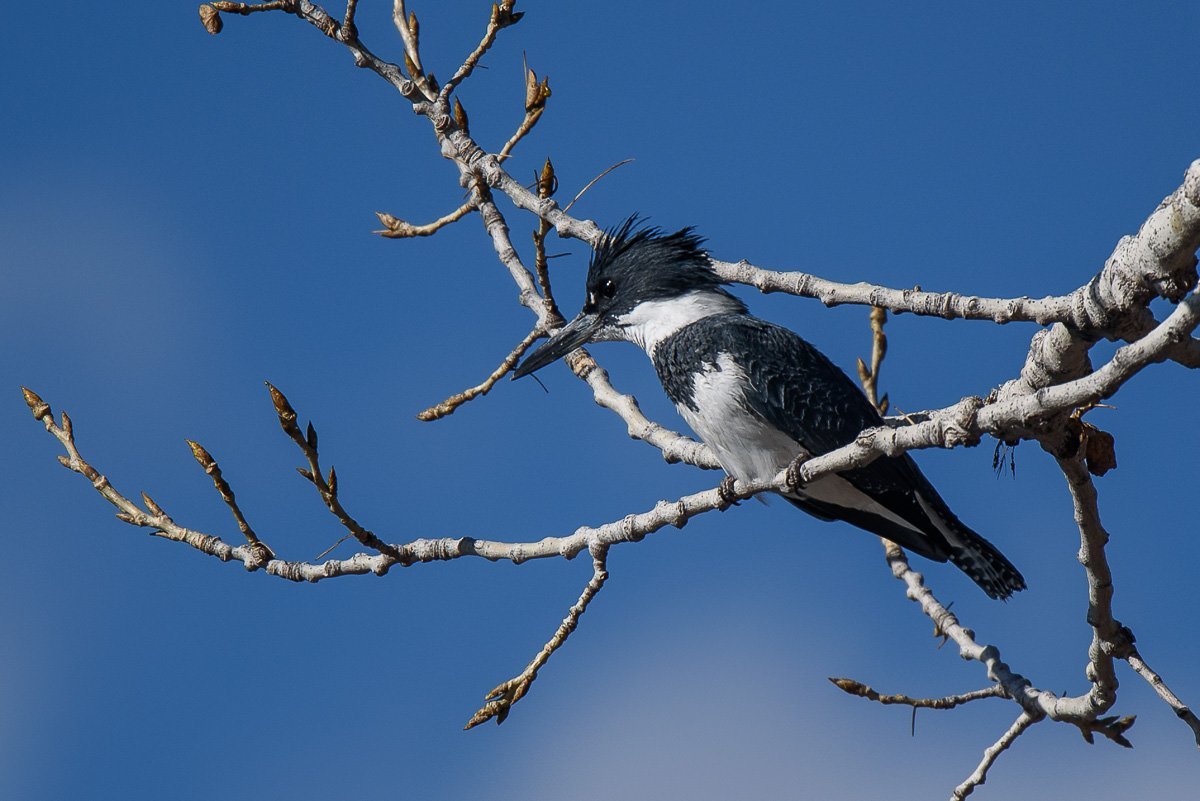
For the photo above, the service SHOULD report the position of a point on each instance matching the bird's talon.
(726, 494)
(794, 478)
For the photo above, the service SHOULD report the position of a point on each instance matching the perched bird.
(758, 395)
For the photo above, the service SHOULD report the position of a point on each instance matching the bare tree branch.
(947, 305)
(547, 185)
(1181, 710)
(631, 528)
(1159, 261)
(869, 377)
(948, 702)
(326, 488)
(502, 17)
(395, 228)
(1019, 726)
(409, 29)
(1108, 636)
(451, 403)
(536, 94)
(500, 700)
(264, 554)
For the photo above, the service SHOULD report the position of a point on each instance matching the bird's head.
(640, 280)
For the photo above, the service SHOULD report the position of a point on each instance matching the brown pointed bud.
(394, 227)
(388, 221)
(36, 405)
(151, 505)
(287, 415)
(310, 436)
(332, 481)
(67, 426)
(65, 462)
(884, 404)
(846, 685)
(547, 181)
(201, 455)
(414, 27)
(532, 95)
(460, 117)
(124, 518)
(211, 19)
(536, 93)
(410, 67)
(863, 372)
(306, 473)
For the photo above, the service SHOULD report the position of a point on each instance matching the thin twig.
(348, 26)
(1023, 722)
(409, 30)
(326, 552)
(547, 184)
(395, 228)
(226, 492)
(536, 94)
(870, 377)
(531, 118)
(593, 182)
(948, 702)
(246, 9)
(152, 517)
(326, 488)
(500, 700)
(451, 403)
(502, 17)
(497, 227)
(1182, 711)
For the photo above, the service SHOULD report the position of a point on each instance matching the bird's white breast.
(751, 449)
(746, 445)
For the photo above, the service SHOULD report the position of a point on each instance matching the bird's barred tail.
(970, 552)
(984, 564)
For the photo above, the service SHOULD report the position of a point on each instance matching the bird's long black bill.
(571, 336)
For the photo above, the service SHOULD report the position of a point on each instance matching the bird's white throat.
(652, 321)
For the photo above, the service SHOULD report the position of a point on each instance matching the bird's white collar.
(652, 321)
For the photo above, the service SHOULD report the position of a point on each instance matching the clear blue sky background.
(183, 216)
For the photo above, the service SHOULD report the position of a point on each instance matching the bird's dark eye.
(608, 288)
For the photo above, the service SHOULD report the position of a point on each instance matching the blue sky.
(183, 216)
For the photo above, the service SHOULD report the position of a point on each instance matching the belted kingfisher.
(759, 395)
